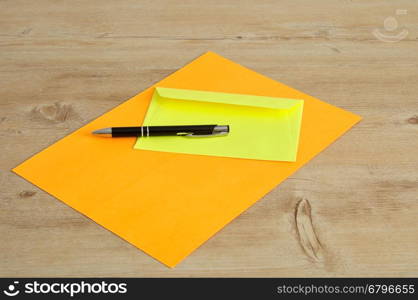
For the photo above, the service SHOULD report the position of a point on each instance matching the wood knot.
(56, 113)
(307, 236)
(413, 120)
(26, 31)
(26, 194)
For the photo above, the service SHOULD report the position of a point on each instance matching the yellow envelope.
(168, 204)
(262, 128)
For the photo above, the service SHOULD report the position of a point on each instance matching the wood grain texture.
(63, 63)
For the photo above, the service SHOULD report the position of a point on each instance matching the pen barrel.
(145, 131)
(126, 131)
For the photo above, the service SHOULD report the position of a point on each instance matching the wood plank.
(63, 64)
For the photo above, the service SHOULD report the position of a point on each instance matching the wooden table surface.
(352, 211)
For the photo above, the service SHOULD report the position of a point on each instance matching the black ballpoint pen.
(175, 130)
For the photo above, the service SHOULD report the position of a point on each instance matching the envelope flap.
(226, 98)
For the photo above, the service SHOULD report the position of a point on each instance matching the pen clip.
(218, 130)
(204, 135)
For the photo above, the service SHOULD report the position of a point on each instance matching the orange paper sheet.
(168, 204)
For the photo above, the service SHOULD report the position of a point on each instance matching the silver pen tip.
(103, 131)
